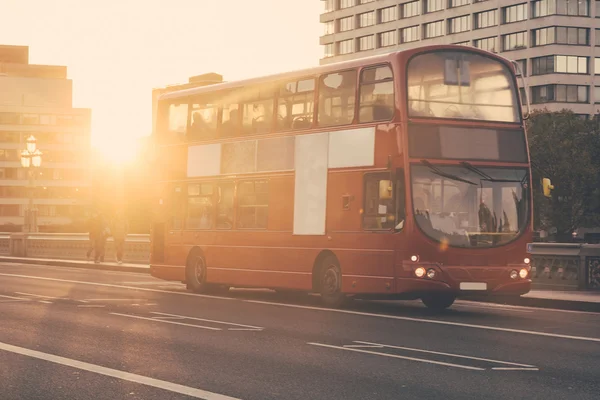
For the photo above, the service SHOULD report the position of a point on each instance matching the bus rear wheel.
(330, 283)
(195, 274)
(438, 301)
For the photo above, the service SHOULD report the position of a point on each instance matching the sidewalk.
(563, 300)
(106, 266)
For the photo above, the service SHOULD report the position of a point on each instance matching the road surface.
(86, 334)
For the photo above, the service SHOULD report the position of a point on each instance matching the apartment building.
(37, 100)
(554, 41)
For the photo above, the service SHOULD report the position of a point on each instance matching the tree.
(565, 149)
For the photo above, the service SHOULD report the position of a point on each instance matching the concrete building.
(37, 100)
(554, 41)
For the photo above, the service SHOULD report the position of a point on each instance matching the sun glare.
(116, 151)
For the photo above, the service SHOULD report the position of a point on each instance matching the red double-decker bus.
(404, 176)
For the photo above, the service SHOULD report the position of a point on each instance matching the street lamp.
(31, 158)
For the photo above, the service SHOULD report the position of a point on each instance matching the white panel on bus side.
(204, 160)
(310, 195)
(352, 148)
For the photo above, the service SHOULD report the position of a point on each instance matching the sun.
(117, 151)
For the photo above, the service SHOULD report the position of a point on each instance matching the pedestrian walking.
(119, 234)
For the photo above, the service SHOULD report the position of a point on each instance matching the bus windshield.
(461, 85)
(467, 206)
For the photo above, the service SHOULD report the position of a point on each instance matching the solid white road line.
(445, 354)
(384, 316)
(91, 305)
(491, 308)
(37, 295)
(114, 373)
(514, 369)
(397, 356)
(207, 320)
(363, 346)
(168, 322)
(13, 297)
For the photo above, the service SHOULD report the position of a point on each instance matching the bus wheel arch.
(327, 279)
(195, 270)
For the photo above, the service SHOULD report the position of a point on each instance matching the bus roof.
(315, 71)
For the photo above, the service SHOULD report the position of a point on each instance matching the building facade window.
(346, 46)
(410, 9)
(409, 34)
(572, 35)
(433, 29)
(560, 93)
(465, 43)
(366, 43)
(459, 3)
(459, 24)
(514, 41)
(366, 19)
(387, 39)
(486, 19)
(596, 94)
(346, 4)
(328, 27)
(329, 50)
(515, 13)
(489, 44)
(365, 1)
(559, 64)
(541, 8)
(388, 14)
(346, 24)
(433, 5)
(597, 37)
(597, 9)
(597, 66)
(329, 5)
(522, 70)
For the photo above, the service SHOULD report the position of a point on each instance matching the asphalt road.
(85, 334)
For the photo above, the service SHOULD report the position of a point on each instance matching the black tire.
(329, 279)
(439, 301)
(195, 273)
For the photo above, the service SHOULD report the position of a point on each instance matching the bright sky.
(116, 51)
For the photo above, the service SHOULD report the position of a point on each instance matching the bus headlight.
(414, 258)
(420, 272)
(431, 273)
(514, 274)
(523, 273)
(526, 260)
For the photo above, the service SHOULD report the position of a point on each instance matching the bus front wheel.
(330, 282)
(438, 301)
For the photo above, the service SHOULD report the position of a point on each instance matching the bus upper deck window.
(376, 94)
(178, 118)
(337, 92)
(203, 122)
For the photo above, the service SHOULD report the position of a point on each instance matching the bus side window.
(376, 94)
(337, 95)
(230, 120)
(178, 206)
(200, 206)
(225, 202)
(295, 105)
(177, 122)
(257, 110)
(379, 202)
(253, 204)
(203, 121)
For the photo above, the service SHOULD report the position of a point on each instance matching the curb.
(78, 264)
(569, 305)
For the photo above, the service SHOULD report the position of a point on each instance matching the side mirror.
(385, 190)
(548, 187)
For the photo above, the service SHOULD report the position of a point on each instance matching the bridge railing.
(565, 266)
(71, 246)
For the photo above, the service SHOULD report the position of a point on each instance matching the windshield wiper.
(485, 176)
(441, 173)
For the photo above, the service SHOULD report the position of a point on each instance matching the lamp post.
(31, 158)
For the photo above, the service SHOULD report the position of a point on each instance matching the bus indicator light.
(514, 274)
(431, 273)
(414, 258)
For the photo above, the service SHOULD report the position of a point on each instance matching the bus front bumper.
(465, 280)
